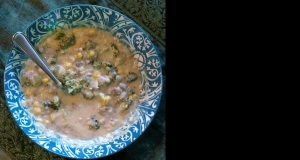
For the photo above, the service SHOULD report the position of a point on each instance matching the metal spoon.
(20, 40)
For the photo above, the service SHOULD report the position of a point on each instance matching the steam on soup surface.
(100, 78)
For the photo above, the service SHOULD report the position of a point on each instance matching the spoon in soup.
(20, 40)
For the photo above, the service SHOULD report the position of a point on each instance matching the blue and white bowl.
(131, 35)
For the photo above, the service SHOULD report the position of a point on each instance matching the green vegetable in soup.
(85, 81)
(115, 50)
(54, 103)
(53, 60)
(96, 64)
(127, 102)
(130, 91)
(107, 64)
(67, 41)
(32, 80)
(88, 45)
(112, 74)
(119, 57)
(93, 123)
(37, 80)
(71, 86)
(87, 93)
(59, 71)
(59, 35)
(131, 77)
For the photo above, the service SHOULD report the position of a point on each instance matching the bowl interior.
(132, 36)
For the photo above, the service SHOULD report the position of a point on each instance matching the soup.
(100, 77)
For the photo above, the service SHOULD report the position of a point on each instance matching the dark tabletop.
(16, 15)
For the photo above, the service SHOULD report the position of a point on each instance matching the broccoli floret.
(96, 64)
(67, 41)
(87, 93)
(119, 57)
(54, 103)
(130, 91)
(64, 79)
(59, 71)
(59, 35)
(85, 81)
(127, 102)
(71, 86)
(115, 50)
(131, 77)
(93, 123)
(53, 60)
(88, 45)
(107, 64)
(112, 74)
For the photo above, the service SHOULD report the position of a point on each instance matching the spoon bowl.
(20, 40)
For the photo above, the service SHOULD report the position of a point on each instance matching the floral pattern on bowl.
(150, 90)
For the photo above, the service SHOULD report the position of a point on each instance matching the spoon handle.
(20, 40)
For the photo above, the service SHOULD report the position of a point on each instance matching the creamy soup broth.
(100, 77)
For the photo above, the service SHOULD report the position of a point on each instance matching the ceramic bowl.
(133, 36)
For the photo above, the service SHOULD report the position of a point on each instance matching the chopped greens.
(54, 103)
(87, 93)
(53, 60)
(66, 41)
(107, 64)
(88, 45)
(96, 64)
(131, 77)
(127, 102)
(115, 50)
(93, 123)
(85, 81)
(59, 71)
(72, 86)
(59, 35)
